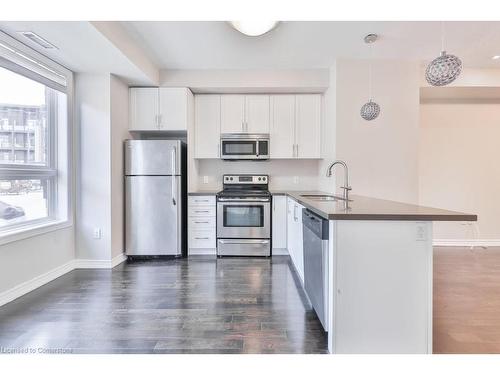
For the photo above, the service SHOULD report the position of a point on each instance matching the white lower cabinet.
(279, 223)
(294, 236)
(201, 225)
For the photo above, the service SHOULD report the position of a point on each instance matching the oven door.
(243, 218)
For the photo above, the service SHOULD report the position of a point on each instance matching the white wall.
(328, 136)
(382, 154)
(102, 108)
(119, 132)
(458, 165)
(94, 166)
(24, 260)
(282, 173)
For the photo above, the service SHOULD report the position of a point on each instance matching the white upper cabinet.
(282, 129)
(143, 106)
(295, 126)
(293, 122)
(207, 126)
(232, 114)
(244, 113)
(159, 109)
(308, 126)
(174, 108)
(256, 114)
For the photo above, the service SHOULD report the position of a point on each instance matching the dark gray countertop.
(366, 208)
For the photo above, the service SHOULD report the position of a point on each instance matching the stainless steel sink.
(322, 197)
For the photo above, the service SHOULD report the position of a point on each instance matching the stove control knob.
(260, 178)
(226, 178)
(263, 179)
(231, 178)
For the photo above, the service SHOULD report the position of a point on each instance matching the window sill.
(18, 234)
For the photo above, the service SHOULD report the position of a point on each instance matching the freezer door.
(153, 215)
(152, 157)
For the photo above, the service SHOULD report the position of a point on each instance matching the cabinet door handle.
(202, 238)
(218, 150)
(297, 145)
(201, 222)
(201, 211)
(201, 200)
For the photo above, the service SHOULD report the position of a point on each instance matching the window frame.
(59, 167)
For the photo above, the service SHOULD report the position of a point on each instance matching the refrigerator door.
(152, 157)
(153, 215)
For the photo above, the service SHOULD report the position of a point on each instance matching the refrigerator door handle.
(174, 193)
(174, 173)
(174, 160)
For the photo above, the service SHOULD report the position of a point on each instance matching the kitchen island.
(379, 272)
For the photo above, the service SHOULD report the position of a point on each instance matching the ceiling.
(292, 45)
(309, 45)
(80, 47)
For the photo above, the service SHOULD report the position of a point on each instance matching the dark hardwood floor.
(195, 305)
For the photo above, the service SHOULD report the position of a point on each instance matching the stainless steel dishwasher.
(316, 263)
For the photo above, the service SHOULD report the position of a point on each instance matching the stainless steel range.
(244, 216)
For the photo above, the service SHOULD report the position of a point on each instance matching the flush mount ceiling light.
(496, 57)
(371, 110)
(445, 68)
(255, 27)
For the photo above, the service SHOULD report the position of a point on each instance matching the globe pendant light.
(371, 110)
(445, 68)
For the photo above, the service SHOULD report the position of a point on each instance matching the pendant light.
(445, 68)
(370, 110)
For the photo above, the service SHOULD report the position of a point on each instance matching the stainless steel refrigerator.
(155, 197)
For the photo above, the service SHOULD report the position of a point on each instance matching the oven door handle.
(243, 199)
(235, 242)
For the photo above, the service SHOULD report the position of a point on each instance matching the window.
(34, 139)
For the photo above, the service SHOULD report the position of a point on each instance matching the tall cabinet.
(207, 126)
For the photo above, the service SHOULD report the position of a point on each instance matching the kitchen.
(260, 202)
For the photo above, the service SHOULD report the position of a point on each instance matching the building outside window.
(34, 139)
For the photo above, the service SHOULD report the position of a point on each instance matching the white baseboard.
(34, 283)
(99, 263)
(280, 252)
(118, 259)
(465, 243)
(38, 281)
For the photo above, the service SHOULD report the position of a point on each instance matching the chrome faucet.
(346, 186)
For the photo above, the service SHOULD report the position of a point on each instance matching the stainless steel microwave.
(237, 146)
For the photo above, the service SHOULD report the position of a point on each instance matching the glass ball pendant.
(443, 70)
(370, 111)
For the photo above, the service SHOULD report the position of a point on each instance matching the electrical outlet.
(421, 232)
(205, 179)
(295, 179)
(97, 233)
